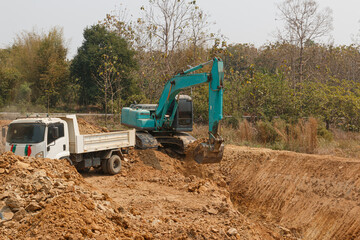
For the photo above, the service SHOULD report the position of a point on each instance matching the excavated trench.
(284, 195)
(309, 196)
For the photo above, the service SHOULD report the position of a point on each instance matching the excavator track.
(144, 140)
(178, 142)
(182, 143)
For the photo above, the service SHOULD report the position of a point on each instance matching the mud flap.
(205, 153)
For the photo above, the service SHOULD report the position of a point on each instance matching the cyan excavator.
(168, 121)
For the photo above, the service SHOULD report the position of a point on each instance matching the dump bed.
(96, 142)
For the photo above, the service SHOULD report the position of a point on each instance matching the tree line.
(122, 61)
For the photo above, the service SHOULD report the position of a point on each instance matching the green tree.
(53, 68)
(35, 63)
(9, 79)
(258, 95)
(85, 65)
(335, 102)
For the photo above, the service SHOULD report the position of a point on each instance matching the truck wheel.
(104, 168)
(83, 169)
(114, 165)
(67, 159)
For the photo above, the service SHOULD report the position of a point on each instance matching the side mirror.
(55, 132)
(3, 132)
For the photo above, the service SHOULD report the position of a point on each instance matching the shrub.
(266, 132)
(231, 122)
(324, 133)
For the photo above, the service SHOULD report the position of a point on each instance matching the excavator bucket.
(205, 153)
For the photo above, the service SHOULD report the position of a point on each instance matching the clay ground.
(261, 193)
(254, 193)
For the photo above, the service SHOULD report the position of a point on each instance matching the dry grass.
(200, 131)
(247, 132)
(311, 140)
(345, 144)
(300, 137)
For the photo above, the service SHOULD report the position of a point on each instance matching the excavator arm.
(185, 80)
(212, 150)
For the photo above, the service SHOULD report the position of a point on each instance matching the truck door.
(56, 141)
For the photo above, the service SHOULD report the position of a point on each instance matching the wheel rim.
(116, 164)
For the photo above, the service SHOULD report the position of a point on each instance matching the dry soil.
(253, 193)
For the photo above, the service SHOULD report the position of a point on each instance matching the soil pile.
(3, 123)
(48, 199)
(88, 128)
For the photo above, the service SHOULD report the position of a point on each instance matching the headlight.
(40, 154)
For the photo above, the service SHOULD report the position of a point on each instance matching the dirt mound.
(48, 199)
(88, 128)
(314, 197)
(3, 123)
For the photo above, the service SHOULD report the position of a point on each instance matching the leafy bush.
(232, 122)
(324, 133)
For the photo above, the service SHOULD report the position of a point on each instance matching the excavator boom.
(212, 150)
(167, 121)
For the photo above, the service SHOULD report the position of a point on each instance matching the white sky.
(241, 21)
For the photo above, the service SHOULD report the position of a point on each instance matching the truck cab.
(38, 137)
(60, 138)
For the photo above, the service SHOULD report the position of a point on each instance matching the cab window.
(52, 138)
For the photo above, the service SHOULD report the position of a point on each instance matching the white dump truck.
(60, 138)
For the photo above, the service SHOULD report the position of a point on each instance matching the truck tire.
(83, 169)
(114, 165)
(104, 167)
(67, 159)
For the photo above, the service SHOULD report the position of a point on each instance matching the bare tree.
(199, 30)
(304, 23)
(169, 22)
(169, 35)
(119, 21)
(108, 76)
(356, 38)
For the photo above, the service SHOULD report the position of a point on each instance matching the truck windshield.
(25, 133)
